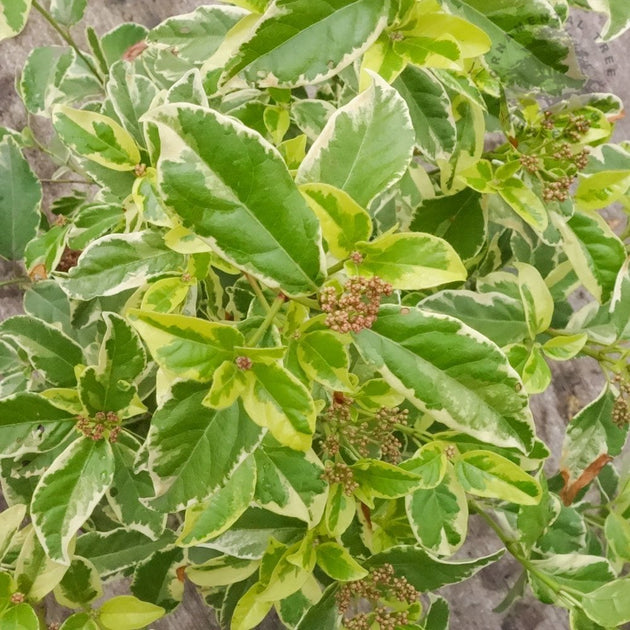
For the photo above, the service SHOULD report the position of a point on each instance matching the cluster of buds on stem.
(621, 408)
(373, 433)
(357, 307)
(558, 190)
(379, 586)
(342, 474)
(104, 425)
(17, 598)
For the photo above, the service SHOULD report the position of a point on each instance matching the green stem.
(65, 35)
(273, 311)
(14, 281)
(258, 291)
(569, 595)
(336, 267)
(307, 302)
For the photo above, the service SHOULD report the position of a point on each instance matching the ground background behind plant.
(573, 386)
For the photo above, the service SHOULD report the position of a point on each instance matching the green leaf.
(68, 12)
(68, 492)
(344, 222)
(486, 474)
(430, 110)
(409, 261)
(194, 449)
(114, 551)
(131, 95)
(525, 203)
(495, 315)
(93, 221)
(249, 537)
(579, 572)
(126, 612)
(157, 579)
(609, 605)
(452, 372)
(430, 463)
(536, 298)
(336, 562)
(439, 516)
(79, 621)
(250, 609)
(188, 347)
(535, 372)
(617, 530)
(20, 416)
(426, 573)
(128, 491)
(50, 350)
(324, 358)
(459, 219)
(529, 47)
(119, 262)
(290, 483)
(80, 585)
(223, 508)
(590, 435)
(116, 42)
(565, 347)
(594, 250)
(438, 615)
(324, 615)
(285, 49)
(13, 16)
(277, 400)
(20, 617)
(35, 573)
(266, 230)
(374, 123)
(96, 137)
(196, 36)
(379, 479)
(10, 521)
(221, 571)
(20, 198)
(618, 20)
(55, 75)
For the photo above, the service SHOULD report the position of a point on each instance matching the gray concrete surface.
(575, 384)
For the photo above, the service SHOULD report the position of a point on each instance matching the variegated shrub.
(283, 320)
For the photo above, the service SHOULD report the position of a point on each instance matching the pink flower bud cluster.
(243, 363)
(357, 307)
(103, 425)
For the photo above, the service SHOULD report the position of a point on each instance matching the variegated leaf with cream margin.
(487, 474)
(536, 297)
(68, 492)
(256, 219)
(494, 314)
(96, 137)
(439, 516)
(13, 16)
(192, 450)
(187, 347)
(276, 399)
(450, 371)
(409, 261)
(55, 74)
(290, 483)
(118, 262)
(344, 222)
(365, 147)
(285, 48)
(215, 515)
(618, 16)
